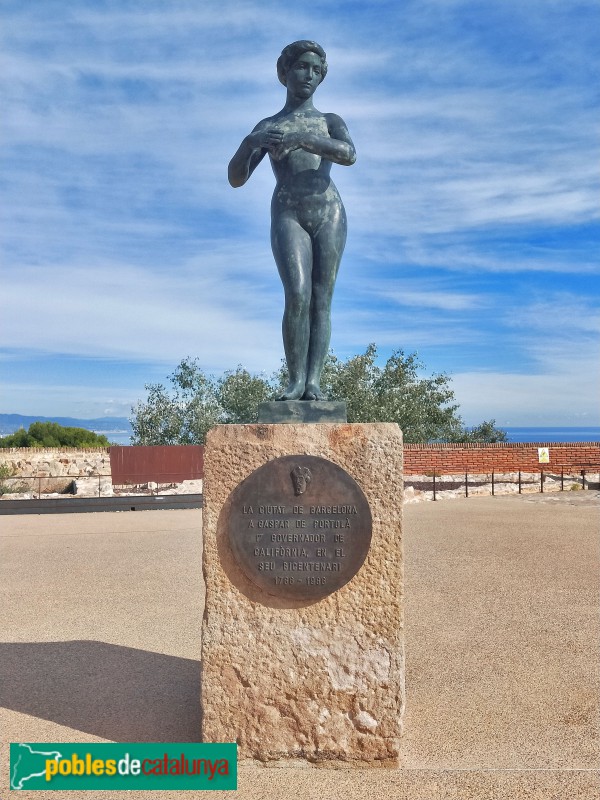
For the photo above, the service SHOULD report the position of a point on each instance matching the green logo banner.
(132, 766)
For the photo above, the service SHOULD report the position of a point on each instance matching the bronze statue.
(308, 221)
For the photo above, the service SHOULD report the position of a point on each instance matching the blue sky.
(473, 205)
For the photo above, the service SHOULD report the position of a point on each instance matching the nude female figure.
(308, 221)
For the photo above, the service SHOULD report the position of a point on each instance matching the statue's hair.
(291, 53)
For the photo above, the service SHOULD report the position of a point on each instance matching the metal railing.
(565, 471)
(472, 479)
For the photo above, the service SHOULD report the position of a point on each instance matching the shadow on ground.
(113, 692)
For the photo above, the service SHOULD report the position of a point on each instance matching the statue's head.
(291, 53)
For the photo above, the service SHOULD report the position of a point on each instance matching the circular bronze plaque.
(299, 527)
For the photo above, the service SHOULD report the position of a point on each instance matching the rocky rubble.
(91, 487)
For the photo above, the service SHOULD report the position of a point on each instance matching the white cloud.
(218, 307)
(425, 298)
(568, 395)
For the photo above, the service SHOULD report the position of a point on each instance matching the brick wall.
(450, 458)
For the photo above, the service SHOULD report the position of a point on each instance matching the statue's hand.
(289, 142)
(265, 138)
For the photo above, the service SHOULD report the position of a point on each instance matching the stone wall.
(57, 467)
(57, 461)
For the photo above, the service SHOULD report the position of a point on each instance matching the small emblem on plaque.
(301, 477)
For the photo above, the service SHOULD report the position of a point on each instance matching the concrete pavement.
(101, 619)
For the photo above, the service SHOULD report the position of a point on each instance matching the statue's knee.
(298, 304)
(322, 302)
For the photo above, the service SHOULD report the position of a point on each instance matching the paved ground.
(101, 616)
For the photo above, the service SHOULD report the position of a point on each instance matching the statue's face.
(304, 75)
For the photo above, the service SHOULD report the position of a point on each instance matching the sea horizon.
(552, 434)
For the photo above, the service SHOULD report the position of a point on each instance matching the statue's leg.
(292, 249)
(328, 247)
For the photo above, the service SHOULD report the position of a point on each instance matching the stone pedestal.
(317, 680)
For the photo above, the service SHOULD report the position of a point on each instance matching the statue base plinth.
(310, 680)
(297, 411)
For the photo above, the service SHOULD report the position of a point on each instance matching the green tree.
(240, 394)
(423, 406)
(484, 432)
(51, 434)
(183, 413)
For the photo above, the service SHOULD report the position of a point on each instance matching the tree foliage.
(424, 407)
(484, 432)
(51, 434)
(183, 413)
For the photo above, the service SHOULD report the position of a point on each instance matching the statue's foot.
(313, 392)
(294, 391)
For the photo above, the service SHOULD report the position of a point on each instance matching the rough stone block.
(321, 681)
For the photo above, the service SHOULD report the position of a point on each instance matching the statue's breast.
(311, 123)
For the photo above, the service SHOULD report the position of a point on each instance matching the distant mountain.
(9, 423)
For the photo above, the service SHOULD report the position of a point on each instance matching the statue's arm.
(251, 152)
(340, 140)
(337, 147)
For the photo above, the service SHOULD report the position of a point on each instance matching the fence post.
(542, 481)
(466, 484)
(583, 476)
(519, 481)
(492, 483)
(562, 479)
(434, 497)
